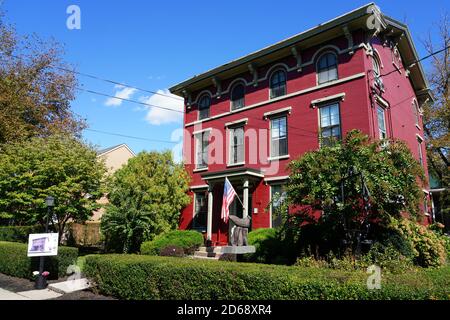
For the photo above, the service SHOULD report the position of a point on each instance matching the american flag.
(228, 197)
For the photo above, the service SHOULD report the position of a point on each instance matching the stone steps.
(215, 253)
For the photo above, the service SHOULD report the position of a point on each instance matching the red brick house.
(247, 119)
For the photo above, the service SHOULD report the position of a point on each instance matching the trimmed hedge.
(14, 261)
(137, 277)
(17, 233)
(188, 240)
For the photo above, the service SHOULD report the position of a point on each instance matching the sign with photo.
(43, 245)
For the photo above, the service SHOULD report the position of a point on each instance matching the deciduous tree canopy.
(35, 95)
(146, 197)
(58, 166)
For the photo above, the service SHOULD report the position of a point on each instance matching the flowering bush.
(429, 249)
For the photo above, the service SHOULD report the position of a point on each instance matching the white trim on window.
(275, 179)
(286, 156)
(195, 133)
(243, 121)
(339, 96)
(203, 186)
(419, 137)
(269, 114)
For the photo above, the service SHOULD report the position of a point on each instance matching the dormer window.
(204, 105)
(238, 96)
(278, 84)
(327, 68)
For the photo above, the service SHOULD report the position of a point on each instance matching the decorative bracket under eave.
(349, 37)
(218, 84)
(254, 73)
(188, 98)
(298, 58)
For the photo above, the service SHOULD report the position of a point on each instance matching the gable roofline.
(421, 87)
(111, 149)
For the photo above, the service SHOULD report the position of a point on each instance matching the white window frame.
(271, 155)
(271, 97)
(317, 67)
(319, 108)
(231, 95)
(231, 145)
(380, 132)
(199, 145)
(209, 108)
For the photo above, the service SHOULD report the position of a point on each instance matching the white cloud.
(122, 93)
(158, 116)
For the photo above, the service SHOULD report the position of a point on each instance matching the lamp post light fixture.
(41, 281)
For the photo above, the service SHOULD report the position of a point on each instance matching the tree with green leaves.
(58, 166)
(146, 197)
(36, 88)
(335, 179)
(436, 115)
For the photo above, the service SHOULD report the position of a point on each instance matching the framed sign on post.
(43, 245)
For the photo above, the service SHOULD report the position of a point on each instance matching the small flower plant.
(45, 274)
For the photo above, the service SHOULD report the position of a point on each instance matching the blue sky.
(155, 44)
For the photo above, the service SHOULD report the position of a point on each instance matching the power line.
(125, 99)
(109, 81)
(130, 137)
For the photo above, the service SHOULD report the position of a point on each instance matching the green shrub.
(138, 277)
(14, 261)
(267, 245)
(18, 233)
(429, 248)
(187, 239)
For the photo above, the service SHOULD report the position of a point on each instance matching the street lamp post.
(41, 282)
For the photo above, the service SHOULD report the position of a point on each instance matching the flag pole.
(237, 196)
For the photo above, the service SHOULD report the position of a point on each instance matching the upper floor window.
(376, 66)
(416, 112)
(202, 150)
(327, 68)
(238, 96)
(278, 135)
(381, 123)
(204, 105)
(419, 142)
(278, 84)
(330, 124)
(237, 145)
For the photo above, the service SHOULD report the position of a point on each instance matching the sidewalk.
(12, 288)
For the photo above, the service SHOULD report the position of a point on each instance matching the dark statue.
(240, 233)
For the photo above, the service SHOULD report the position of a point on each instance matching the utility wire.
(130, 137)
(109, 81)
(128, 100)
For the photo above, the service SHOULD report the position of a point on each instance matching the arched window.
(238, 96)
(416, 112)
(376, 66)
(203, 107)
(278, 84)
(327, 68)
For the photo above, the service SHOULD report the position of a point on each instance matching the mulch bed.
(18, 285)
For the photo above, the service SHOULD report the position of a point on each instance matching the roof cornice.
(321, 28)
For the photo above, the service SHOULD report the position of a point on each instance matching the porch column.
(245, 209)
(210, 213)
